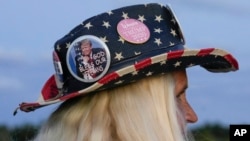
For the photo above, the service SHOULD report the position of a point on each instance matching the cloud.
(22, 68)
(13, 56)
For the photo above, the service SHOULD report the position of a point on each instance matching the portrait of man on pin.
(90, 61)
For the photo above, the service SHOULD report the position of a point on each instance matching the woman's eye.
(178, 98)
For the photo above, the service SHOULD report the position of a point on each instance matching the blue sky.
(28, 30)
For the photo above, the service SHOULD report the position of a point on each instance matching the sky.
(28, 30)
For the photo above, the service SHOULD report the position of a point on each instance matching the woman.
(152, 109)
(140, 95)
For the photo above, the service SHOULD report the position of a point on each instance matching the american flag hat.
(128, 44)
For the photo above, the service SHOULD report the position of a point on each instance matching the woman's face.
(181, 84)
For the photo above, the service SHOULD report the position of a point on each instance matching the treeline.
(211, 132)
(206, 132)
(24, 132)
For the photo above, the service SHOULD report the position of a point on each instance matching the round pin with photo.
(88, 58)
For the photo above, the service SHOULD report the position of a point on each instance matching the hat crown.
(164, 33)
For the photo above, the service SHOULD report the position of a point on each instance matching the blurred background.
(28, 30)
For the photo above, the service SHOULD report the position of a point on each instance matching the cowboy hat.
(119, 47)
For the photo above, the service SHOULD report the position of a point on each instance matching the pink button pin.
(133, 31)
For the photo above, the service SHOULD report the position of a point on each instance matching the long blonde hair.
(142, 111)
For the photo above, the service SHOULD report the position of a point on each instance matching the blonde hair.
(141, 111)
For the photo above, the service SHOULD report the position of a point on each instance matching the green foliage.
(19, 133)
(4, 134)
(207, 132)
(211, 132)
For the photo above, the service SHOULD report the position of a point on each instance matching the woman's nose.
(190, 115)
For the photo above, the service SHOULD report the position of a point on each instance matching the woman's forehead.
(181, 81)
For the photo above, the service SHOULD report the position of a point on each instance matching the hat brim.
(212, 59)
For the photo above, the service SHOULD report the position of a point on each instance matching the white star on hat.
(158, 41)
(177, 64)
(141, 18)
(158, 18)
(104, 39)
(125, 15)
(158, 30)
(106, 24)
(118, 56)
(88, 25)
(173, 32)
